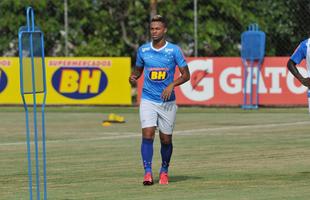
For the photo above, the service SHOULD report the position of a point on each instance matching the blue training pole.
(34, 107)
(43, 120)
(257, 81)
(245, 83)
(251, 83)
(28, 33)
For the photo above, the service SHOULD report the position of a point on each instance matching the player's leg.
(148, 119)
(166, 153)
(166, 121)
(147, 153)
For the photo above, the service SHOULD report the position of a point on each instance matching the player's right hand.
(133, 80)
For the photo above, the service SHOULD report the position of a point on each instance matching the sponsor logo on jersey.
(168, 50)
(159, 74)
(146, 49)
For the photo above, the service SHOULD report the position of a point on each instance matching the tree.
(118, 27)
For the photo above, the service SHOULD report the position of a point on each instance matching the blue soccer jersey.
(300, 52)
(159, 68)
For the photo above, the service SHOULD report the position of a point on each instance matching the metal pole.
(66, 26)
(195, 28)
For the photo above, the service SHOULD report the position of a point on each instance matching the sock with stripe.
(166, 152)
(147, 154)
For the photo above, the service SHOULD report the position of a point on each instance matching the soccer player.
(301, 52)
(157, 60)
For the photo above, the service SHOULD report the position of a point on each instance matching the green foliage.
(117, 27)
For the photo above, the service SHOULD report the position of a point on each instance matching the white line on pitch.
(121, 135)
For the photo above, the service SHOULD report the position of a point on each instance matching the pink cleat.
(163, 178)
(148, 179)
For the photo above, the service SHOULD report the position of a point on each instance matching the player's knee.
(148, 137)
(148, 133)
(166, 140)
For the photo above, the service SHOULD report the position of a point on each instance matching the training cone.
(106, 124)
(114, 118)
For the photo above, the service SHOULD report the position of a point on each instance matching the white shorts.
(161, 115)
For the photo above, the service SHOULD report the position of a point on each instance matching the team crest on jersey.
(158, 75)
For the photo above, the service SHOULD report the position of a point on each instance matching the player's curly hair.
(159, 18)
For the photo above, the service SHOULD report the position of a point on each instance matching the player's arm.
(185, 76)
(138, 70)
(291, 65)
(135, 75)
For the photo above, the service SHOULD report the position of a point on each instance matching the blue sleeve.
(300, 52)
(139, 61)
(180, 58)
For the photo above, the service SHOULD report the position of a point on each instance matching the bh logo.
(158, 75)
(3, 80)
(79, 83)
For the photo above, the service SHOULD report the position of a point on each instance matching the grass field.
(219, 153)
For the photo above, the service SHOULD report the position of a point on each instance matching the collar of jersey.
(159, 48)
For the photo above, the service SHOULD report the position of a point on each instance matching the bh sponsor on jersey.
(79, 83)
(158, 74)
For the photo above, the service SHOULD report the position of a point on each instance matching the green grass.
(219, 153)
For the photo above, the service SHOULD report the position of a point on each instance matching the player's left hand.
(306, 82)
(165, 95)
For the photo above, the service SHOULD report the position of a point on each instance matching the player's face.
(158, 31)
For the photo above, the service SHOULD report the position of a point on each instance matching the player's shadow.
(305, 174)
(183, 178)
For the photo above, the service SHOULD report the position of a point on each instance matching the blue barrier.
(252, 51)
(33, 82)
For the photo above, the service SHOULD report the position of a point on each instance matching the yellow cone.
(111, 117)
(106, 124)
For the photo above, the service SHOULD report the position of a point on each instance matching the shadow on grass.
(183, 178)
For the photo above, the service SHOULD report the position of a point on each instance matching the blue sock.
(147, 154)
(166, 152)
